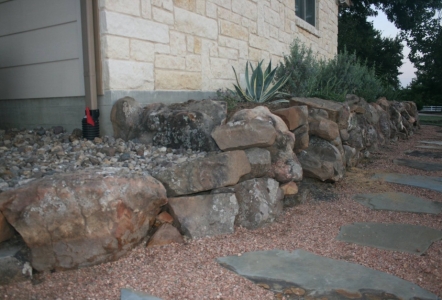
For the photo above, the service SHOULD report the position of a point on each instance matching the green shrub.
(230, 97)
(258, 86)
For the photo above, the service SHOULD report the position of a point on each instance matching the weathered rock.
(302, 138)
(244, 135)
(164, 217)
(322, 160)
(285, 165)
(126, 116)
(260, 162)
(337, 112)
(83, 218)
(165, 234)
(6, 231)
(294, 116)
(260, 202)
(14, 261)
(323, 128)
(205, 215)
(186, 125)
(351, 156)
(259, 113)
(289, 188)
(204, 174)
(343, 133)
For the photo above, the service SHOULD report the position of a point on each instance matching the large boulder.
(260, 162)
(260, 202)
(322, 160)
(337, 112)
(244, 134)
(323, 128)
(126, 117)
(294, 116)
(6, 231)
(204, 173)
(205, 215)
(83, 218)
(302, 138)
(185, 125)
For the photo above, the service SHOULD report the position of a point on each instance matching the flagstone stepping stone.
(301, 273)
(426, 182)
(429, 154)
(439, 143)
(398, 202)
(129, 294)
(430, 147)
(415, 164)
(397, 237)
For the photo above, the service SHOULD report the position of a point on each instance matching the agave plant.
(258, 86)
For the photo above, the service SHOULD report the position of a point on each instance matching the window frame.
(304, 7)
(300, 22)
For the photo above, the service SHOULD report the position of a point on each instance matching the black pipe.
(91, 132)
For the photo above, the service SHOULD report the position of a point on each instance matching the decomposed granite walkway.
(301, 273)
(398, 202)
(427, 182)
(397, 237)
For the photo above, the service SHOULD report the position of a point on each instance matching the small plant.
(228, 96)
(258, 86)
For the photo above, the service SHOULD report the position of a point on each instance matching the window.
(305, 9)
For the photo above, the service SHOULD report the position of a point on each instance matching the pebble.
(26, 155)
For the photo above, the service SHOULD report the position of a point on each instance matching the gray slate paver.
(397, 237)
(434, 147)
(398, 202)
(415, 164)
(439, 143)
(429, 154)
(426, 182)
(319, 276)
(129, 294)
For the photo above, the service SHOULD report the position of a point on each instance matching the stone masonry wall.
(192, 44)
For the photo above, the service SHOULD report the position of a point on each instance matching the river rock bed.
(26, 155)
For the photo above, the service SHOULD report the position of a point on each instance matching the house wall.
(193, 44)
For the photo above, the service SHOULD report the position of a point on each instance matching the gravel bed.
(189, 271)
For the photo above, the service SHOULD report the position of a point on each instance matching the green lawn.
(431, 120)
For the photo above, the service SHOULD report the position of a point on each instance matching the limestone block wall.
(192, 44)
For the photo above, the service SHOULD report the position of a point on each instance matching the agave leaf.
(249, 87)
(259, 82)
(268, 79)
(253, 83)
(269, 69)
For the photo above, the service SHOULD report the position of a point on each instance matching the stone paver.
(305, 274)
(129, 294)
(398, 202)
(426, 182)
(398, 237)
(439, 143)
(415, 164)
(430, 147)
(429, 154)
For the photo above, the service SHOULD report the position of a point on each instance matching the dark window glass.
(305, 9)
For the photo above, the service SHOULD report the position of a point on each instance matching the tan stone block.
(166, 4)
(250, 25)
(234, 30)
(142, 51)
(190, 43)
(230, 53)
(128, 75)
(193, 63)
(223, 3)
(221, 68)
(201, 7)
(258, 42)
(177, 80)
(116, 47)
(290, 188)
(211, 9)
(186, 4)
(226, 14)
(170, 62)
(162, 48)
(272, 17)
(162, 16)
(189, 22)
(245, 8)
(254, 54)
(130, 7)
(197, 45)
(146, 9)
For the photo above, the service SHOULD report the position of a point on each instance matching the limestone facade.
(170, 45)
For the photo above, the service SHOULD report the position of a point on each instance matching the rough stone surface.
(260, 202)
(397, 237)
(204, 174)
(415, 164)
(165, 234)
(129, 294)
(289, 188)
(126, 117)
(294, 116)
(285, 165)
(430, 154)
(83, 218)
(186, 125)
(398, 202)
(205, 215)
(323, 128)
(426, 182)
(244, 135)
(6, 231)
(302, 138)
(14, 261)
(260, 162)
(318, 276)
(337, 112)
(351, 156)
(322, 160)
